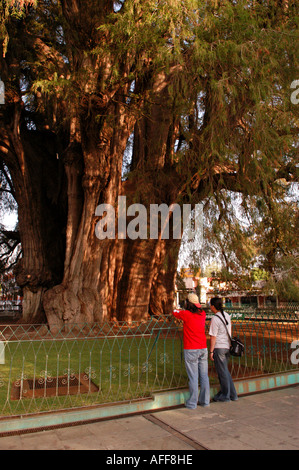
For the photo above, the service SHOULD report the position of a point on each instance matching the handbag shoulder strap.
(225, 324)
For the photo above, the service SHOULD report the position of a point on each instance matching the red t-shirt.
(194, 328)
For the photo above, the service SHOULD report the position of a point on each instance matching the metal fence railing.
(115, 362)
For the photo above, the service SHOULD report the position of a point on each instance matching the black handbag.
(236, 346)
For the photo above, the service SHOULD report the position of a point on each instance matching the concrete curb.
(159, 401)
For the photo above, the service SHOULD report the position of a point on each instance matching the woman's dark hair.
(217, 303)
(191, 307)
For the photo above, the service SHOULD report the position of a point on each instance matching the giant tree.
(197, 94)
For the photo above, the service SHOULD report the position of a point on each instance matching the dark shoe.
(220, 399)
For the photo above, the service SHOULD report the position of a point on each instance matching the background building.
(255, 296)
(10, 296)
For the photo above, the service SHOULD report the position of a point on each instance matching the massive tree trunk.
(84, 295)
(39, 181)
(124, 279)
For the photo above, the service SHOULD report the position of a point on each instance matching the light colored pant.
(196, 363)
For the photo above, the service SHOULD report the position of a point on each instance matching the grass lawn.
(122, 368)
(113, 369)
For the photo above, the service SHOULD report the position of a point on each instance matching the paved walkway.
(264, 421)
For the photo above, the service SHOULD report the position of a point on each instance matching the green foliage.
(11, 9)
(255, 239)
(221, 70)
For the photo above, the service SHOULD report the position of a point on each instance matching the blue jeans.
(227, 389)
(196, 362)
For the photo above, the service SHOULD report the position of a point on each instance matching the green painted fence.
(99, 364)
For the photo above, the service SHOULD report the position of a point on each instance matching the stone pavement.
(264, 421)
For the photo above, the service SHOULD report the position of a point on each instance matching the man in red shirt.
(195, 351)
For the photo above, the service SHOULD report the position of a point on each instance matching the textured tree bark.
(68, 275)
(87, 289)
(39, 191)
(162, 292)
(116, 278)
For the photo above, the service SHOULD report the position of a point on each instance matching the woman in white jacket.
(219, 350)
